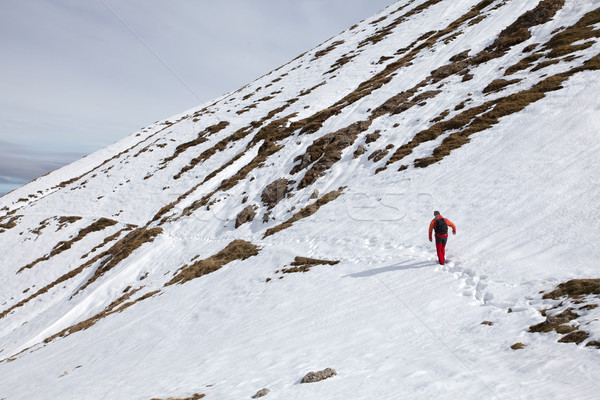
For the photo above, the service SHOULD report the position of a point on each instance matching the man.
(440, 225)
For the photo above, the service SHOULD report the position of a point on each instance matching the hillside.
(282, 228)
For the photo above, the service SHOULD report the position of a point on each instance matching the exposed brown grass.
(440, 117)
(238, 135)
(64, 221)
(575, 288)
(484, 116)
(498, 84)
(372, 137)
(327, 50)
(518, 346)
(201, 138)
(43, 225)
(574, 337)
(324, 152)
(246, 109)
(306, 211)
(96, 226)
(119, 252)
(116, 156)
(109, 239)
(11, 223)
(304, 264)
(388, 29)
(562, 42)
(118, 305)
(236, 250)
(552, 322)
(519, 31)
(116, 253)
(573, 292)
(308, 91)
(195, 396)
(340, 62)
(380, 154)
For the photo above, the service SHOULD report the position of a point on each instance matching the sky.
(77, 76)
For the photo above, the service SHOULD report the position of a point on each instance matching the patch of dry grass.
(195, 396)
(304, 264)
(236, 250)
(11, 223)
(96, 226)
(575, 288)
(202, 137)
(324, 152)
(572, 292)
(119, 252)
(306, 211)
(327, 50)
(118, 305)
(498, 84)
(482, 117)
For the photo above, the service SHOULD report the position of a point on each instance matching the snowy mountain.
(282, 228)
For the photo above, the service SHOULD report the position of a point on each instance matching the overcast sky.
(78, 75)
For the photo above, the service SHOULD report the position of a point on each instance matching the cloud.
(20, 164)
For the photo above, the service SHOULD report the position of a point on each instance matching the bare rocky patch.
(275, 192)
(261, 393)
(318, 376)
(246, 215)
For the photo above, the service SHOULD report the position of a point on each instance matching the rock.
(246, 215)
(266, 217)
(261, 393)
(318, 376)
(372, 137)
(517, 346)
(360, 150)
(274, 192)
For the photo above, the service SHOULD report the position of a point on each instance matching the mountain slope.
(164, 264)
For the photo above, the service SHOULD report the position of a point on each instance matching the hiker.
(440, 225)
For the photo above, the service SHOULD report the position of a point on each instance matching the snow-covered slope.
(282, 228)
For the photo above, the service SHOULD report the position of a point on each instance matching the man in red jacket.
(440, 225)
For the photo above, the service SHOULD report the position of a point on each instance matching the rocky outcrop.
(319, 376)
(246, 215)
(275, 192)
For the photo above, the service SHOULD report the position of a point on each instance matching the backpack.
(441, 227)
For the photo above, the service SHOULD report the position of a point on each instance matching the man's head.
(436, 213)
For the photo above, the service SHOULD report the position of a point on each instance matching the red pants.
(440, 245)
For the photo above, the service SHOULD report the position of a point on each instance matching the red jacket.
(434, 221)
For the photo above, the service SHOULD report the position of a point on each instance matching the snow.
(392, 322)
